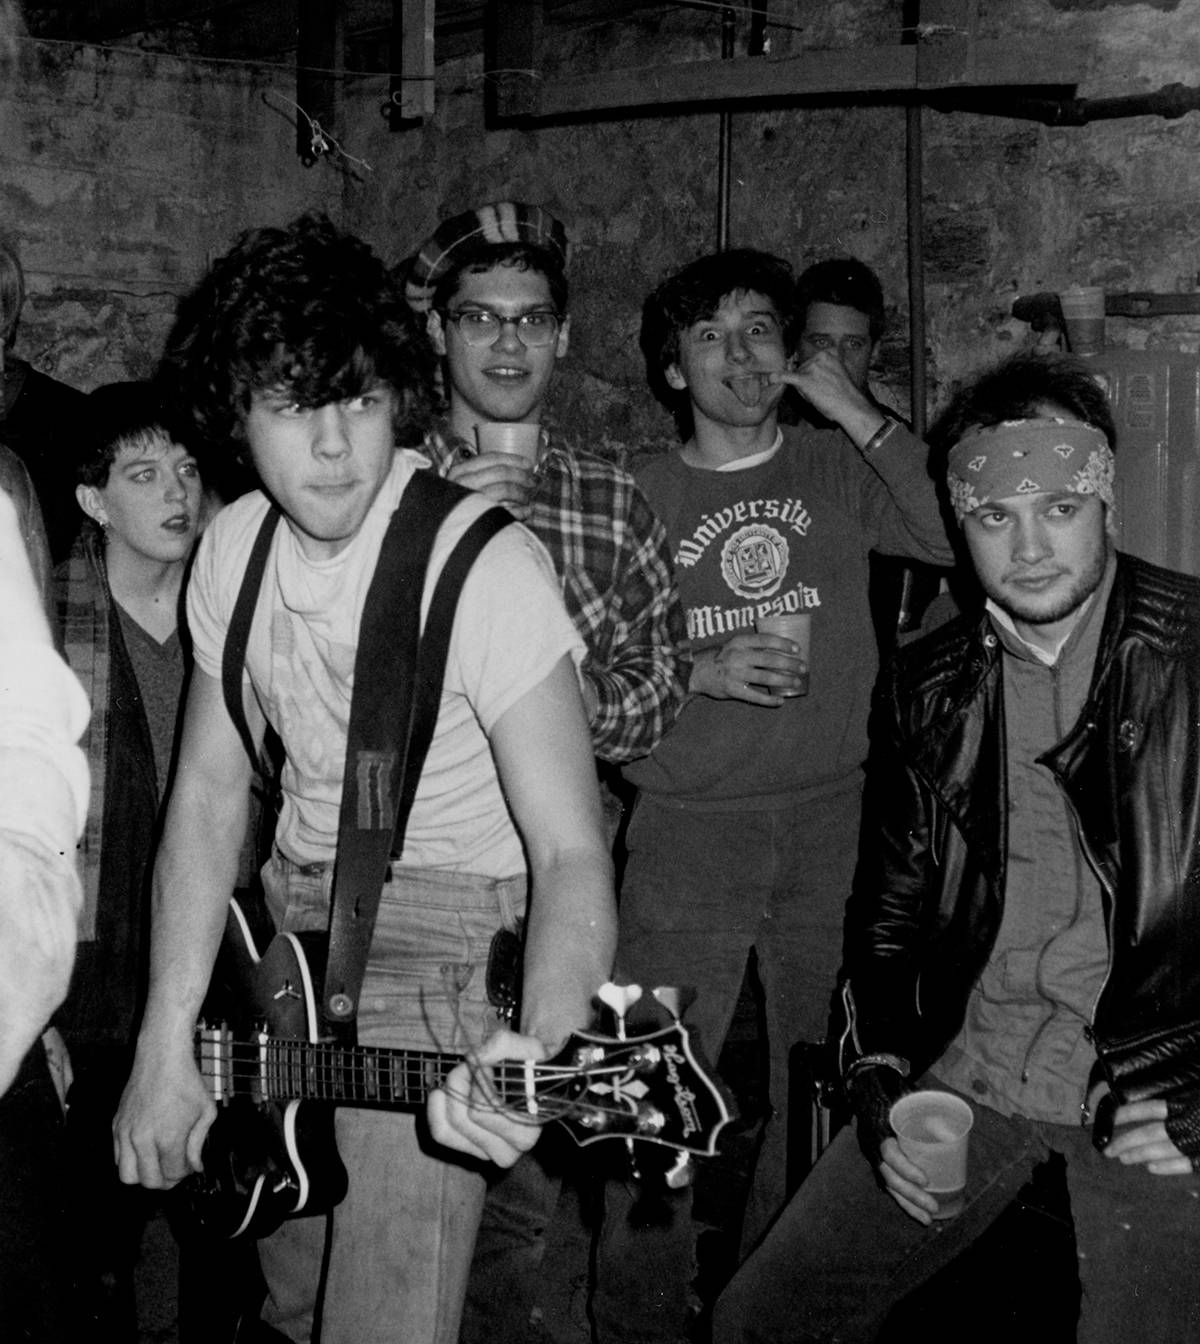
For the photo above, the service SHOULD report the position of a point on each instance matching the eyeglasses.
(480, 326)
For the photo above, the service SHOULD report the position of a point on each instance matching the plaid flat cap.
(497, 222)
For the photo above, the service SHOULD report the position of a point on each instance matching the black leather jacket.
(928, 897)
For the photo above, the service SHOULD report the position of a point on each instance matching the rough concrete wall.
(1015, 207)
(120, 175)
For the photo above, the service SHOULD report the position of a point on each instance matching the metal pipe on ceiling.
(1170, 101)
(725, 141)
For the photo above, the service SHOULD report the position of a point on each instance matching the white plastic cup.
(793, 625)
(505, 436)
(1083, 311)
(932, 1128)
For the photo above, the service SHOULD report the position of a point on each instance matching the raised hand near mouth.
(824, 383)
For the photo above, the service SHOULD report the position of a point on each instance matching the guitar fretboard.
(279, 1069)
(361, 1076)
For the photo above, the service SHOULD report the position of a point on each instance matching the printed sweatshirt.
(792, 533)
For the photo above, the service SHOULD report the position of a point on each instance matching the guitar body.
(266, 1160)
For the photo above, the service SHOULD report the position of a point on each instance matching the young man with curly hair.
(301, 350)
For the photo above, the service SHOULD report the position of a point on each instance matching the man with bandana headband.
(1025, 926)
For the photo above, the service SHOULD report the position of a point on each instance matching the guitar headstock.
(649, 1087)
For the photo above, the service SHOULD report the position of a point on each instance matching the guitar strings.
(248, 1067)
(243, 1062)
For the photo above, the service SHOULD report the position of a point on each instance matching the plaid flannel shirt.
(611, 555)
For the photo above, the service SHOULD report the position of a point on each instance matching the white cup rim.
(955, 1105)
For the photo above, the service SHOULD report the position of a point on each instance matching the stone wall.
(121, 174)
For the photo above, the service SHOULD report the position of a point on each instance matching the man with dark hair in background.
(840, 308)
(493, 281)
(743, 837)
(1025, 929)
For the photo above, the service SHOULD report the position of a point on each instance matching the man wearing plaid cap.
(1025, 929)
(493, 283)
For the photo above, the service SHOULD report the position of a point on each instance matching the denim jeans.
(389, 1264)
(843, 1253)
(701, 890)
(506, 1292)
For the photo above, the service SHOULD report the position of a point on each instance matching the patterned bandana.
(499, 222)
(1028, 457)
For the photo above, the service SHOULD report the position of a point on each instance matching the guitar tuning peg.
(680, 1172)
(675, 1001)
(620, 998)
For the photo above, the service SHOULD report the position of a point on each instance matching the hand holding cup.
(795, 626)
(503, 465)
(931, 1130)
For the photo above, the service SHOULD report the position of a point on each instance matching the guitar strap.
(233, 656)
(398, 675)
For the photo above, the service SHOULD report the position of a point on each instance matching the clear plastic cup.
(931, 1129)
(1083, 311)
(507, 437)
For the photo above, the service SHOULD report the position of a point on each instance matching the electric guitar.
(270, 1154)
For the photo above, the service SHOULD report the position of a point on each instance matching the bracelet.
(879, 436)
(1183, 1127)
(901, 1066)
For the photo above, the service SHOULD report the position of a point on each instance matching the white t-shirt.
(510, 629)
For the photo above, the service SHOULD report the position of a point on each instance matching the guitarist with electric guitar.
(406, 643)
(271, 1152)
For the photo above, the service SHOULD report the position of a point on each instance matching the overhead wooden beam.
(866, 70)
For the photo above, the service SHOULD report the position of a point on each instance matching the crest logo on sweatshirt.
(754, 560)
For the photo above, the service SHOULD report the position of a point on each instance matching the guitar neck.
(356, 1076)
(278, 1069)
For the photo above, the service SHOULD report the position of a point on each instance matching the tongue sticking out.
(749, 388)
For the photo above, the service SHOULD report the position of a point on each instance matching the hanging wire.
(235, 61)
(320, 142)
